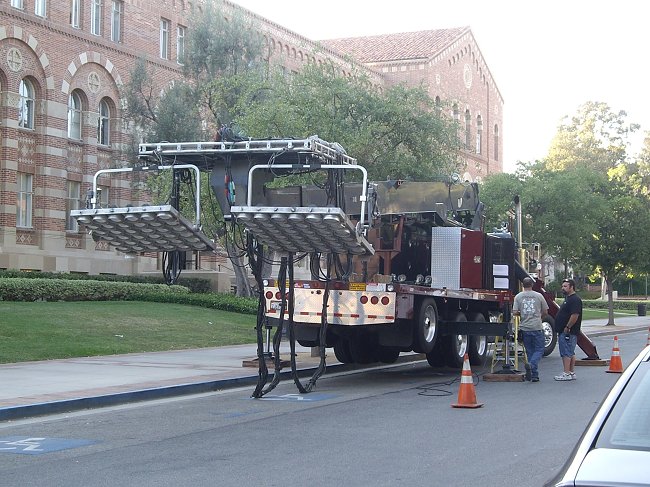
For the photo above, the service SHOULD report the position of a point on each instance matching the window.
(479, 133)
(24, 201)
(496, 142)
(96, 17)
(74, 116)
(72, 203)
(180, 44)
(39, 7)
(164, 38)
(26, 104)
(104, 123)
(75, 13)
(468, 129)
(116, 21)
(17, 3)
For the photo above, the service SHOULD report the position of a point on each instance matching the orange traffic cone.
(466, 393)
(615, 364)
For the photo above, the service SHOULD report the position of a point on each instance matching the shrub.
(35, 289)
(196, 285)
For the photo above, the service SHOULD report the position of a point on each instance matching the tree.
(589, 158)
(497, 193)
(394, 133)
(224, 61)
(562, 210)
(619, 245)
(218, 51)
(594, 137)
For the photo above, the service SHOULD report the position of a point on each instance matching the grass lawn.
(591, 314)
(48, 330)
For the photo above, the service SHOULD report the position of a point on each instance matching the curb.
(77, 404)
(615, 330)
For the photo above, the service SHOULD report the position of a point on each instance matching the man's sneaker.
(563, 376)
(535, 379)
(573, 375)
(528, 372)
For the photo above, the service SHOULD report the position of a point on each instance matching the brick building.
(62, 65)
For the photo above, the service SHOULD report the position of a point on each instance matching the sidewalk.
(55, 386)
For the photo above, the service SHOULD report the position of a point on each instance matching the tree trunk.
(610, 302)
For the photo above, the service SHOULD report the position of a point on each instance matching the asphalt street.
(377, 427)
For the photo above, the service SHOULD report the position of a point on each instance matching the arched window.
(468, 129)
(74, 116)
(496, 142)
(479, 133)
(104, 124)
(26, 104)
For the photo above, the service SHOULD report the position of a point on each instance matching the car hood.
(614, 468)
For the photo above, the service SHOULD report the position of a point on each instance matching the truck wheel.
(425, 329)
(456, 346)
(478, 344)
(342, 351)
(362, 351)
(550, 337)
(387, 355)
(436, 357)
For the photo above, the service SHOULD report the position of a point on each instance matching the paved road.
(380, 427)
(46, 387)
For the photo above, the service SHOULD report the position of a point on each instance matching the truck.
(393, 266)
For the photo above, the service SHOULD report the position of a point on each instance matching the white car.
(614, 450)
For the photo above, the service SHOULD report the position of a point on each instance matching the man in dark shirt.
(567, 324)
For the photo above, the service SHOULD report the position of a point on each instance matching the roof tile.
(393, 47)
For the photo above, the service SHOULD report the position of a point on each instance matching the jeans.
(534, 344)
(567, 347)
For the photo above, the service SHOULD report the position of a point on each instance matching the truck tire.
(387, 355)
(342, 351)
(425, 329)
(362, 350)
(436, 357)
(550, 337)
(456, 346)
(478, 344)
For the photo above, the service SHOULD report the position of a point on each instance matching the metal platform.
(303, 229)
(208, 154)
(143, 229)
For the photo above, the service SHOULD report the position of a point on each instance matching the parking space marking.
(33, 445)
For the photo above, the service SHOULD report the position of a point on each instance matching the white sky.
(547, 57)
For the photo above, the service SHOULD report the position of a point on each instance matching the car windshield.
(628, 425)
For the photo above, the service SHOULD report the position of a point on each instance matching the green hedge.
(619, 304)
(35, 289)
(194, 284)
(21, 289)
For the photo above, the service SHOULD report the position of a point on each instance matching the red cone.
(615, 364)
(466, 392)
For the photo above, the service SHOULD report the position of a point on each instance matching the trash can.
(640, 309)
